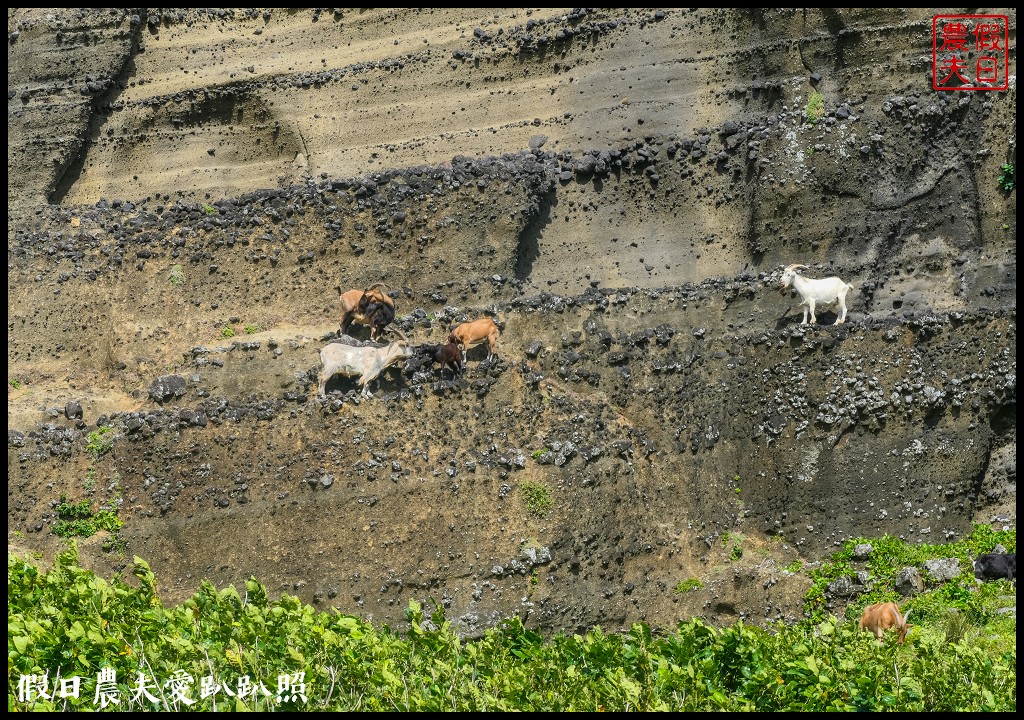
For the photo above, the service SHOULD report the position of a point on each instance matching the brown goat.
(475, 332)
(447, 355)
(370, 307)
(885, 616)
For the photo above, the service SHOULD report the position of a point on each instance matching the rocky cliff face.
(618, 188)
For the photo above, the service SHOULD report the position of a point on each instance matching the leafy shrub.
(67, 618)
(536, 496)
(251, 329)
(537, 454)
(209, 209)
(14, 383)
(227, 331)
(78, 520)
(1006, 177)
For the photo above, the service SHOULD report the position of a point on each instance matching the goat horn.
(794, 266)
(376, 285)
(399, 333)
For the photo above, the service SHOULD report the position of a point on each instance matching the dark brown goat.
(448, 355)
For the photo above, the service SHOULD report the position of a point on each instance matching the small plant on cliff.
(1006, 177)
(538, 454)
(736, 552)
(815, 108)
(176, 276)
(89, 484)
(227, 331)
(689, 584)
(14, 383)
(251, 329)
(100, 441)
(78, 520)
(536, 496)
(209, 209)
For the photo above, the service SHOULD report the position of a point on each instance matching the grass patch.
(176, 276)
(684, 586)
(815, 108)
(536, 496)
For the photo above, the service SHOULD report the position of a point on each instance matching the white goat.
(826, 290)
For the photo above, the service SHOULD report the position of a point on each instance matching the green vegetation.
(176, 276)
(1006, 177)
(100, 441)
(736, 552)
(209, 209)
(78, 520)
(815, 108)
(227, 331)
(689, 584)
(537, 454)
(14, 383)
(891, 555)
(69, 620)
(114, 544)
(536, 496)
(89, 484)
(251, 329)
(794, 567)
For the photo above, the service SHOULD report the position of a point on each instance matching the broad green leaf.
(811, 665)
(76, 631)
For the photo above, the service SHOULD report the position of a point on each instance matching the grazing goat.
(884, 616)
(996, 566)
(475, 332)
(447, 355)
(364, 362)
(370, 307)
(813, 291)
